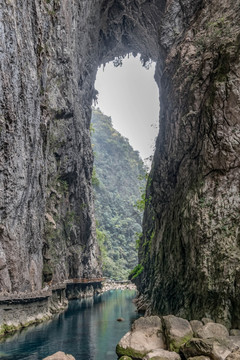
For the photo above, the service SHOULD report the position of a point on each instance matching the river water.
(88, 330)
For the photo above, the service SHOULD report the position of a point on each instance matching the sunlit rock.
(212, 330)
(146, 335)
(214, 348)
(177, 331)
(59, 356)
(161, 354)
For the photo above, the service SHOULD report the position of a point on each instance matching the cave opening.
(124, 128)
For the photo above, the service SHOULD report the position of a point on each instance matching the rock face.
(211, 330)
(146, 335)
(177, 331)
(190, 247)
(213, 348)
(161, 354)
(49, 55)
(48, 65)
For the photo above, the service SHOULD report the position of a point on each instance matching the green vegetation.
(136, 271)
(175, 344)
(130, 352)
(118, 178)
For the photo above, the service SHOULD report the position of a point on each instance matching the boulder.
(212, 330)
(199, 358)
(196, 325)
(59, 356)
(160, 354)
(213, 348)
(234, 355)
(147, 322)
(235, 332)
(206, 320)
(177, 332)
(146, 335)
(235, 340)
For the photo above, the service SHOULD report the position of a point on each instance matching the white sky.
(129, 95)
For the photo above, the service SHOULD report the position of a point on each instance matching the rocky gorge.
(49, 54)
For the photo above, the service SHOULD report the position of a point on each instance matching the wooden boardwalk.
(47, 291)
(85, 281)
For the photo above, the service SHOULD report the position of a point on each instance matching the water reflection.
(87, 329)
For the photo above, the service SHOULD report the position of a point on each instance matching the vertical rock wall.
(190, 249)
(48, 65)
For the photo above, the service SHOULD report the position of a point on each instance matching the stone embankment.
(174, 338)
(21, 309)
(18, 310)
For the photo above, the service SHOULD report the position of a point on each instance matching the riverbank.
(88, 329)
(118, 285)
(24, 309)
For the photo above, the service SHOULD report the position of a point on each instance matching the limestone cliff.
(190, 250)
(48, 64)
(49, 57)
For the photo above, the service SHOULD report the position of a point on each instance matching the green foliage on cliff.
(118, 179)
(136, 271)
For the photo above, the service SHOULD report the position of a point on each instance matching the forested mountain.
(119, 178)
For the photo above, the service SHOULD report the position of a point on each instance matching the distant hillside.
(118, 180)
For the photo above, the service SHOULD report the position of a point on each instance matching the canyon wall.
(48, 65)
(189, 250)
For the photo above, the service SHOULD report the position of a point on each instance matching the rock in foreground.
(177, 331)
(171, 338)
(214, 348)
(59, 356)
(146, 335)
(161, 354)
(212, 330)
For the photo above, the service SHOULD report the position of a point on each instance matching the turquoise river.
(88, 330)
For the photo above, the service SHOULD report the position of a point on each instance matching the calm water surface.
(87, 329)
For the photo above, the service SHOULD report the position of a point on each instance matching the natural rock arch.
(190, 246)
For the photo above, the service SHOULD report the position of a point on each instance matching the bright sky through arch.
(129, 94)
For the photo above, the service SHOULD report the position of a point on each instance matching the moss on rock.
(175, 344)
(129, 352)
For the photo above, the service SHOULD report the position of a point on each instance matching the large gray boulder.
(59, 356)
(161, 354)
(146, 335)
(196, 325)
(213, 348)
(147, 322)
(177, 332)
(206, 320)
(201, 357)
(212, 330)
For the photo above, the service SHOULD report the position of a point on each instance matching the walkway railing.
(47, 291)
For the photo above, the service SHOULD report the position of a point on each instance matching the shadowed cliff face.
(51, 50)
(48, 66)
